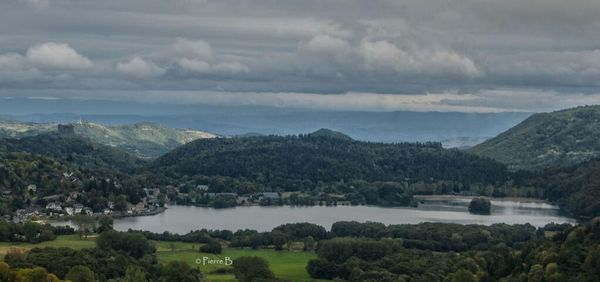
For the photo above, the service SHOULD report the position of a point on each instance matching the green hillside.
(145, 140)
(19, 170)
(77, 150)
(559, 138)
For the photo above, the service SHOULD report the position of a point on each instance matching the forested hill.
(576, 189)
(559, 138)
(302, 161)
(74, 149)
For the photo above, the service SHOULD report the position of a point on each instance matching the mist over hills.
(452, 129)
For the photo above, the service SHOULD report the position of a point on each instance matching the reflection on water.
(182, 219)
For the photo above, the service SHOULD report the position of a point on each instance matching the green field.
(70, 241)
(290, 265)
(285, 264)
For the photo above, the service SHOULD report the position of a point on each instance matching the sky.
(376, 55)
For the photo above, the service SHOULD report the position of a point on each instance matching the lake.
(182, 219)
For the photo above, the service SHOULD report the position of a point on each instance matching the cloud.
(466, 47)
(384, 56)
(57, 56)
(13, 67)
(564, 67)
(36, 4)
(199, 66)
(11, 61)
(484, 101)
(326, 46)
(192, 49)
(324, 53)
(197, 56)
(139, 68)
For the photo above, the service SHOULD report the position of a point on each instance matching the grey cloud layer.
(466, 47)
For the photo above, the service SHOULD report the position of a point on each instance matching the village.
(154, 201)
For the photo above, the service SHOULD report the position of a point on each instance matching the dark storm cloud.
(463, 55)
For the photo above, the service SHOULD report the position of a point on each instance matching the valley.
(258, 195)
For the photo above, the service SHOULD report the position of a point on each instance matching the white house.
(139, 207)
(69, 210)
(54, 206)
(32, 188)
(77, 208)
(88, 211)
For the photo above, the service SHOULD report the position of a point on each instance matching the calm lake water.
(182, 219)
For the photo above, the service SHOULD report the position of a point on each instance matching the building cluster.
(153, 201)
(69, 204)
(199, 194)
(56, 208)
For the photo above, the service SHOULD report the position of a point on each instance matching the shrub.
(212, 247)
(480, 206)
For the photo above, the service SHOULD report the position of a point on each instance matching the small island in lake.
(480, 206)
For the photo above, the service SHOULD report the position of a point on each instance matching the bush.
(133, 244)
(212, 247)
(181, 272)
(249, 269)
(80, 274)
(480, 206)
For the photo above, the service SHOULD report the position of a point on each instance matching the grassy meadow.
(290, 265)
(285, 264)
(70, 241)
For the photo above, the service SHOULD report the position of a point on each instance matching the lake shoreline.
(440, 209)
(459, 197)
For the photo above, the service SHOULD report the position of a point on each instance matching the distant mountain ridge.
(145, 140)
(560, 138)
(453, 129)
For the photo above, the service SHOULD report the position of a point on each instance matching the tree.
(121, 203)
(84, 223)
(212, 247)
(134, 274)
(81, 273)
(105, 223)
(53, 278)
(249, 269)
(463, 276)
(135, 245)
(31, 230)
(6, 274)
(32, 274)
(309, 243)
(480, 206)
(536, 273)
(279, 239)
(179, 271)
